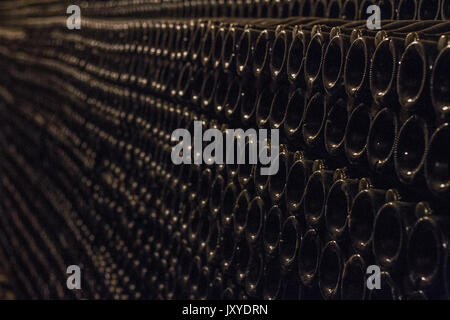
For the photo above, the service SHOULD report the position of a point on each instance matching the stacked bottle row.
(360, 97)
(92, 153)
(344, 9)
(221, 233)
